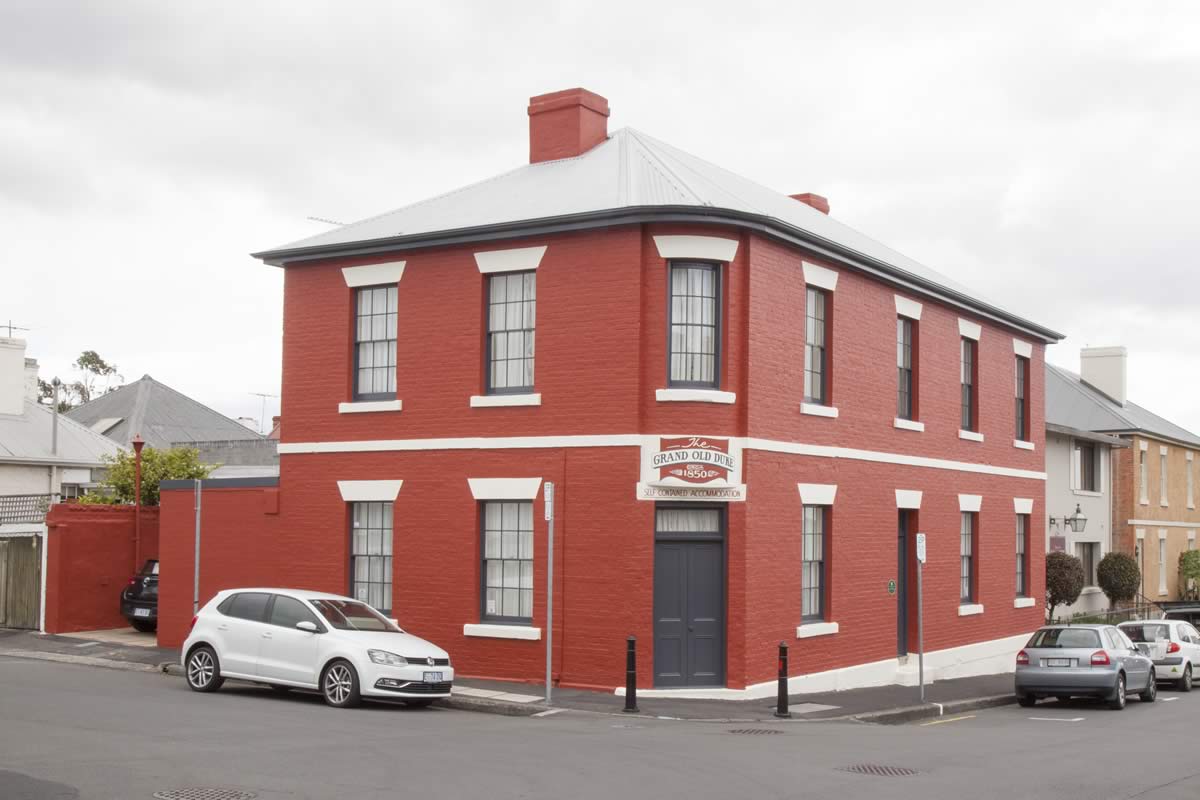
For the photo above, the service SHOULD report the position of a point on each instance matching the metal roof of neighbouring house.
(26, 439)
(631, 178)
(1071, 402)
(161, 415)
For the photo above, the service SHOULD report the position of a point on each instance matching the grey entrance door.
(902, 584)
(689, 598)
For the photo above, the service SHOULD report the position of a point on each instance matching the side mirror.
(307, 626)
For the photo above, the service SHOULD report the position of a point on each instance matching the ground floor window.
(371, 554)
(1022, 555)
(508, 561)
(812, 570)
(1089, 554)
(966, 573)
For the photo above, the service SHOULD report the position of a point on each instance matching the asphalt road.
(69, 731)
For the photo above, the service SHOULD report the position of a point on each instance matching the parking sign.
(921, 547)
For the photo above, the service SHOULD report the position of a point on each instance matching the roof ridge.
(657, 163)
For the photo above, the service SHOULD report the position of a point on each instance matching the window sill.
(970, 436)
(970, 609)
(817, 410)
(909, 425)
(1086, 493)
(366, 406)
(810, 629)
(496, 631)
(1023, 445)
(694, 396)
(1024, 602)
(1164, 505)
(496, 400)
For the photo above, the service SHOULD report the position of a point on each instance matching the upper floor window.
(1191, 487)
(816, 336)
(695, 316)
(1022, 406)
(1162, 476)
(967, 379)
(906, 405)
(1088, 479)
(512, 305)
(1143, 478)
(375, 343)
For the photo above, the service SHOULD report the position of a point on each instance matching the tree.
(1119, 577)
(176, 463)
(1064, 581)
(97, 377)
(1189, 573)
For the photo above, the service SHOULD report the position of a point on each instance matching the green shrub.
(1189, 573)
(175, 463)
(1119, 578)
(1064, 581)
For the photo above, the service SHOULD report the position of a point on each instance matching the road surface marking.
(952, 719)
(87, 644)
(550, 711)
(1057, 719)
(1168, 699)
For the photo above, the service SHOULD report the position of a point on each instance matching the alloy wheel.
(338, 684)
(200, 669)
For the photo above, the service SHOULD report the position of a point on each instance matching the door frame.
(720, 536)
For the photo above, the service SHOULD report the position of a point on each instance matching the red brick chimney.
(566, 124)
(815, 200)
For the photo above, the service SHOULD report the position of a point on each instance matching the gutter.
(768, 226)
(1091, 436)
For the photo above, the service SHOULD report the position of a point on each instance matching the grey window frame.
(386, 556)
(968, 561)
(506, 619)
(813, 352)
(1021, 412)
(489, 350)
(1022, 577)
(822, 570)
(968, 378)
(356, 343)
(906, 375)
(718, 320)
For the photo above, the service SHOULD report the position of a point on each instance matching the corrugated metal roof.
(26, 438)
(160, 414)
(1072, 402)
(628, 171)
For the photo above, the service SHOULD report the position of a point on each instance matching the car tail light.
(1023, 659)
(1173, 647)
(132, 581)
(193, 623)
(1100, 659)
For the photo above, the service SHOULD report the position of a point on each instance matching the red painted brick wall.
(89, 558)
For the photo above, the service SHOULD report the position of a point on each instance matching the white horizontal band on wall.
(1023, 505)
(969, 502)
(818, 276)
(817, 494)
(1022, 348)
(908, 498)
(968, 329)
(1166, 523)
(374, 274)
(369, 491)
(504, 488)
(708, 248)
(908, 308)
(518, 259)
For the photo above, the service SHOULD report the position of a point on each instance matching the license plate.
(1058, 662)
(141, 612)
(433, 677)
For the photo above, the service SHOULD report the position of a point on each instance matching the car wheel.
(1026, 700)
(1151, 692)
(423, 703)
(144, 627)
(204, 670)
(1117, 701)
(1185, 683)
(339, 685)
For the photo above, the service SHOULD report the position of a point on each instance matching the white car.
(1173, 644)
(288, 639)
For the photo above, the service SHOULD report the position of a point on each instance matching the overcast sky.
(1046, 155)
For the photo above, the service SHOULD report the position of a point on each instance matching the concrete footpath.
(883, 704)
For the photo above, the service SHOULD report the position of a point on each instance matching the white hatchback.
(292, 639)
(1173, 644)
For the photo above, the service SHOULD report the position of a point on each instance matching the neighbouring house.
(165, 418)
(1154, 477)
(748, 410)
(44, 457)
(1079, 481)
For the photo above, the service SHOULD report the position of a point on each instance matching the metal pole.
(920, 632)
(631, 706)
(54, 421)
(781, 699)
(549, 498)
(196, 562)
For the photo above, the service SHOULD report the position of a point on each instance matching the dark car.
(1188, 611)
(139, 599)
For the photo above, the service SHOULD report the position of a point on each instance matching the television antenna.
(263, 414)
(11, 327)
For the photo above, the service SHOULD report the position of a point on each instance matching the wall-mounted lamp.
(1077, 521)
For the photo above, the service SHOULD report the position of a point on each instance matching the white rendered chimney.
(31, 380)
(1103, 368)
(12, 375)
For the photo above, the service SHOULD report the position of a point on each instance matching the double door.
(689, 598)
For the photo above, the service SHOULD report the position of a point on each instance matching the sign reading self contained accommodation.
(691, 468)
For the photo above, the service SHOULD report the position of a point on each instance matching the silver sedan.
(1083, 661)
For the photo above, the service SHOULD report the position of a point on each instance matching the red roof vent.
(815, 200)
(566, 124)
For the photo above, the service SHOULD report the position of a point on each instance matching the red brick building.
(748, 410)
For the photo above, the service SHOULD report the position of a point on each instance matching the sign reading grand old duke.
(691, 468)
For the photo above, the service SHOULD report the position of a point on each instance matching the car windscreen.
(346, 615)
(150, 568)
(1147, 632)
(1063, 638)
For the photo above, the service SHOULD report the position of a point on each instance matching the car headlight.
(384, 657)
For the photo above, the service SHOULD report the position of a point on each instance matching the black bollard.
(781, 702)
(631, 676)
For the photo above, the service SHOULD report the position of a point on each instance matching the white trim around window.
(374, 274)
(817, 410)
(495, 400)
(368, 406)
(970, 502)
(1023, 505)
(705, 248)
(968, 329)
(970, 436)
(820, 277)
(908, 308)
(495, 631)
(695, 396)
(369, 491)
(1024, 602)
(504, 488)
(817, 494)
(520, 259)
(971, 609)
(1021, 444)
(908, 498)
(1022, 348)
(908, 425)
(809, 629)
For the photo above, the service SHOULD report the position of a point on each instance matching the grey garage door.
(689, 598)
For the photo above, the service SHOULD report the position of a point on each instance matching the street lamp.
(1077, 521)
(138, 444)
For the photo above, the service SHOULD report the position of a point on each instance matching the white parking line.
(1168, 699)
(549, 711)
(87, 644)
(1057, 719)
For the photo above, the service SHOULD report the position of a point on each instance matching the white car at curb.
(294, 639)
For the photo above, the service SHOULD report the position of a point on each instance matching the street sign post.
(548, 497)
(920, 615)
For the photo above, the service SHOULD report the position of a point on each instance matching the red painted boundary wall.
(90, 556)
